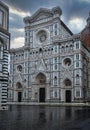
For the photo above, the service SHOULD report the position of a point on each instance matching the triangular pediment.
(41, 14)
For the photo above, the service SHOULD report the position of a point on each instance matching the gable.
(41, 14)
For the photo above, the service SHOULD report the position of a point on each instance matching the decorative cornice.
(70, 38)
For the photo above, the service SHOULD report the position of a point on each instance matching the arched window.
(55, 66)
(55, 94)
(71, 47)
(55, 81)
(55, 32)
(40, 50)
(55, 25)
(66, 48)
(41, 78)
(77, 79)
(77, 45)
(62, 48)
(77, 56)
(55, 59)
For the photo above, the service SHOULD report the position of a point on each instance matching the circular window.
(67, 62)
(19, 68)
(42, 38)
(42, 35)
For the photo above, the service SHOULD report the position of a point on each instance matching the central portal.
(42, 95)
(19, 96)
(68, 96)
(41, 83)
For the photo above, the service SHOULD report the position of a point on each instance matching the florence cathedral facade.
(53, 65)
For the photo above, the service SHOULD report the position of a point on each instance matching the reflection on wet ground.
(45, 118)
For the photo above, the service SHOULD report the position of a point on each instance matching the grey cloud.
(76, 8)
(70, 8)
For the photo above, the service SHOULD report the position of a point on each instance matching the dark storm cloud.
(76, 8)
(70, 8)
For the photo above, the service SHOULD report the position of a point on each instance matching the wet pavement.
(45, 118)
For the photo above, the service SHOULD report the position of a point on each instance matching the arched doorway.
(68, 96)
(19, 93)
(41, 81)
(41, 94)
(19, 96)
(68, 91)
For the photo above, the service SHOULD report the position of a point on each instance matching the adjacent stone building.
(53, 65)
(4, 50)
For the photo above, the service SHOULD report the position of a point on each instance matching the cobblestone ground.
(45, 118)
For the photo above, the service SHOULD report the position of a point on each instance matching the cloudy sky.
(75, 13)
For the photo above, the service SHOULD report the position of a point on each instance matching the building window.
(66, 48)
(26, 39)
(77, 56)
(55, 94)
(55, 81)
(77, 93)
(55, 67)
(26, 55)
(31, 39)
(62, 48)
(26, 34)
(55, 48)
(56, 25)
(55, 32)
(77, 79)
(77, 64)
(56, 60)
(77, 45)
(51, 93)
(31, 33)
(71, 47)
